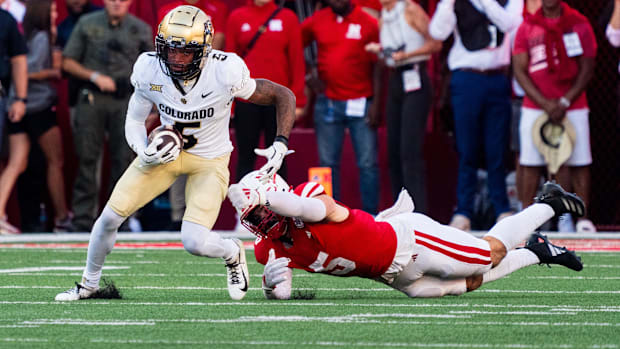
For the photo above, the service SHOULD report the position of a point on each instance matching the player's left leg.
(135, 188)
(441, 250)
(207, 185)
(535, 252)
(512, 231)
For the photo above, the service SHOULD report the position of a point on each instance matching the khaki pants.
(207, 184)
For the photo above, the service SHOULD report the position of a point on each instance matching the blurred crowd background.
(398, 101)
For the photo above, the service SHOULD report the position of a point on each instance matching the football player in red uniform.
(307, 229)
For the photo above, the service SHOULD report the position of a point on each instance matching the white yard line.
(348, 289)
(304, 275)
(35, 269)
(574, 277)
(89, 322)
(605, 308)
(399, 319)
(549, 291)
(201, 261)
(542, 313)
(292, 344)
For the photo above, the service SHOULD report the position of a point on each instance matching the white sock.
(513, 230)
(201, 241)
(102, 240)
(514, 260)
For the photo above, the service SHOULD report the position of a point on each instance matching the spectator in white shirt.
(480, 93)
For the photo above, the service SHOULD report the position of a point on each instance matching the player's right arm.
(138, 110)
(309, 203)
(135, 130)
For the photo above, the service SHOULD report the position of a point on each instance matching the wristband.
(94, 76)
(21, 99)
(564, 102)
(281, 139)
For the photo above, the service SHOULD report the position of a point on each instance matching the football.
(168, 134)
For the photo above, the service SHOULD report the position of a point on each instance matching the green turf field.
(173, 299)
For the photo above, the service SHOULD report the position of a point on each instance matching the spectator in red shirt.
(529, 8)
(275, 54)
(553, 57)
(346, 70)
(216, 9)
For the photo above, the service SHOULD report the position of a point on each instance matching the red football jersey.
(530, 39)
(344, 65)
(359, 246)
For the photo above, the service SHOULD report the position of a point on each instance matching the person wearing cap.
(553, 60)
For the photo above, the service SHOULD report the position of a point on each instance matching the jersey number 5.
(189, 141)
(337, 266)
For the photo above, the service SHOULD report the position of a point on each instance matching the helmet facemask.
(260, 220)
(263, 222)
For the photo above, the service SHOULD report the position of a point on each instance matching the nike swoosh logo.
(245, 288)
(206, 94)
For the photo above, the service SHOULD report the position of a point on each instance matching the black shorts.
(34, 124)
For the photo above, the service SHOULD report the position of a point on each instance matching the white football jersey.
(201, 115)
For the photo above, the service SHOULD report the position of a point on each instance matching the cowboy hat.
(554, 141)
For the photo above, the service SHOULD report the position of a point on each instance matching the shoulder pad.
(229, 67)
(144, 70)
(309, 189)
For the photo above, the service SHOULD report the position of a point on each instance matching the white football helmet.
(260, 220)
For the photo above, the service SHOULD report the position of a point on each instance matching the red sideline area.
(123, 245)
(583, 245)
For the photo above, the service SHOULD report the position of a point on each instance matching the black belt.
(495, 71)
(421, 65)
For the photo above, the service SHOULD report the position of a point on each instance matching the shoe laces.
(78, 287)
(233, 269)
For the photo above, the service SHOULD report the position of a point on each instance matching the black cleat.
(549, 253)
(561, 201)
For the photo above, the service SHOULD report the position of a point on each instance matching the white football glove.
(275, 155)
(151, 156)
(277, 273)
(243, 198)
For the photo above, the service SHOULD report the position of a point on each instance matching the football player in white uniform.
(193, 87)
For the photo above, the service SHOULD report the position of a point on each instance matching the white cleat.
(237, 273)
(76, 293)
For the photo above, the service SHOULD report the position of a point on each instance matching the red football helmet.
(260, 220)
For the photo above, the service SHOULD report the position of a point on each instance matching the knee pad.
(192, 241)
(109, 221)
(201, 241)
